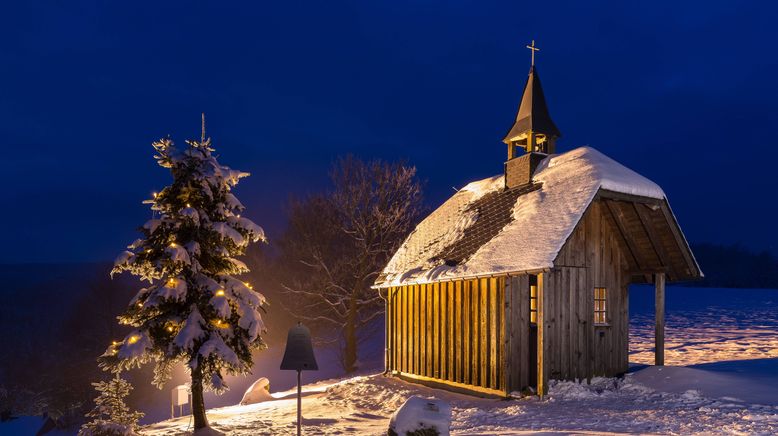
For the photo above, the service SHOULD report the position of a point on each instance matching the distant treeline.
(734, 266)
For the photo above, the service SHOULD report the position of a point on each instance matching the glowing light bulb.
(220, 324)
(114, 343)
(171, 283)
(154, 194)
(173, 245)
(133, 339)
(220, 293)
(140, 304)
(170, 328)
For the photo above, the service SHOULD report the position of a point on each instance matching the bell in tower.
(533, 130)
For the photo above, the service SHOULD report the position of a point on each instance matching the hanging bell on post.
(299, 357)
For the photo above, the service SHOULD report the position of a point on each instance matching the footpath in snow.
(723, 379)
(649, 401)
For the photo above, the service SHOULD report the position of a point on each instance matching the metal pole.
(299, 404)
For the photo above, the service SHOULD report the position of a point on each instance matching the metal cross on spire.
(533, 49)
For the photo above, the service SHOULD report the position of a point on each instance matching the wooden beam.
(613, 195)
(542, 371)
(659, 332)
(464, 388)
(692, 268)
(656, 242)
(618, 218)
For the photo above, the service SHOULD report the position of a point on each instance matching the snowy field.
(722, 379)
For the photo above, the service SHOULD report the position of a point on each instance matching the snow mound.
(258, 392)
(419, 414)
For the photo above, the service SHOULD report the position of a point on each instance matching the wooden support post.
(659, 334)
(542, 372)
(388, 327)
(531, 142)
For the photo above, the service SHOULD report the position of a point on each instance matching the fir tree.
(111, 415)
(194, 311)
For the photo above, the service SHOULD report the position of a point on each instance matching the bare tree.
(338, 242)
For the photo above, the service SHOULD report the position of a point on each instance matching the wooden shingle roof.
(486, 230)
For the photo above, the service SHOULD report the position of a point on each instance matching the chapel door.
(533, 332)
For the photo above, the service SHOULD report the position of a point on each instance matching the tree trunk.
(198, 403)
(350, 337)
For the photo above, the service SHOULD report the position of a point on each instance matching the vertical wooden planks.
(475, 317)
(443, 331)
(502, 339)
(466, 332)
(564, 328)
(431, 343)
(417, 329)
(453, 331)
(459, 329)
(450, 341)
(494, 334)
(483, 336)
(423, 330)
(391, 331)
(542, 366)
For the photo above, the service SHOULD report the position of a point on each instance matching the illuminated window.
(600, 306)
(533, 299)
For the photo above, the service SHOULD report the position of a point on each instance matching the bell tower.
(533, 130)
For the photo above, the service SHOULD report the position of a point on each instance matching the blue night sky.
(684, 93)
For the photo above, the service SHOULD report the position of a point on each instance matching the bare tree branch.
(337, 243)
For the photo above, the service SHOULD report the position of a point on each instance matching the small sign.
(180, 395)
(298, 355)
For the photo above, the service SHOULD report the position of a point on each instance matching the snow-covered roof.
(533, 225)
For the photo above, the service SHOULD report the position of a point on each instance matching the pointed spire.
(533, 129)
(533, 113)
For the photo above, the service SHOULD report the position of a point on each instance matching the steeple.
(533, 129)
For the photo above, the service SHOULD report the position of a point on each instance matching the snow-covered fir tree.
(111, 415)
(195, 310)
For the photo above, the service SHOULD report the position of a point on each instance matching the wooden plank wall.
(517, 332)
(592, 257)
(450, 332)
(476, 332)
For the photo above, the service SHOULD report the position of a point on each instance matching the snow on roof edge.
(577, 175)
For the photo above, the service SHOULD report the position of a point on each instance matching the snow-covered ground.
(722, 378)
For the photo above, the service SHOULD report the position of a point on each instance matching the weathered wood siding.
(517, 328)
(475, 334)
(450, 332)
(574, 347)
(592, 257)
